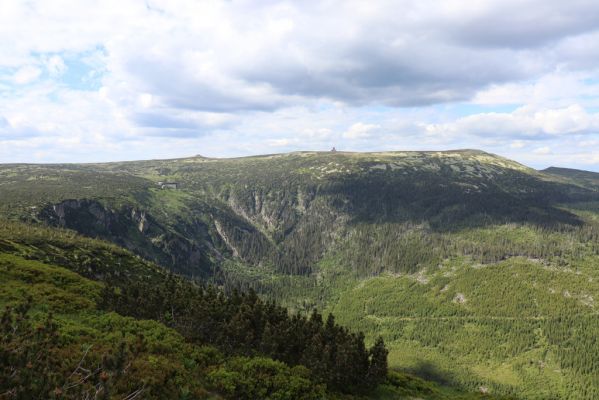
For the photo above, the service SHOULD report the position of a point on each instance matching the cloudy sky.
(132, 79)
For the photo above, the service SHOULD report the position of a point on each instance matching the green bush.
(264, 378)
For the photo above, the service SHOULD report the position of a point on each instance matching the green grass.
(58, 290)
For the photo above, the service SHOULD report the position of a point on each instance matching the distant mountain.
(479, 272)
(283, 209)
(584, 178)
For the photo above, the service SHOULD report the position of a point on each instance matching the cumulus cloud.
(26, 74)
(360, 130)
(242, 77)
(542, 150)
(224, 56)
(527, 122)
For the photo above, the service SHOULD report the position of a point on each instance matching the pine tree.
(377, 371)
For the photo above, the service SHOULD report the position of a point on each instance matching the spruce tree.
(377, 371)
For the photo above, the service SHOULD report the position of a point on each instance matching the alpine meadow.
(299, 200)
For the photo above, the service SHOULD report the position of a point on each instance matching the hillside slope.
(60, 336)
(478, 271)
(584, 178)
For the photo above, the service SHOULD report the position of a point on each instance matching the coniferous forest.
(196, 339)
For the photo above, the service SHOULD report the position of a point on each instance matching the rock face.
(290, 229)
(142, 221)
(84, 215)
(137, 231)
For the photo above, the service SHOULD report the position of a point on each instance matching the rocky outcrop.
(188, 251)
(140, 217)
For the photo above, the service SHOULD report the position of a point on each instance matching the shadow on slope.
(449, 203)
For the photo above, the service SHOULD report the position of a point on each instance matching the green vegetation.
(583, 178)
(480, 274)
(491, 326)
(55, 344)
(62, 339)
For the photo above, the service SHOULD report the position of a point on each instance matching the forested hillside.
(66, 332)
(477, 272)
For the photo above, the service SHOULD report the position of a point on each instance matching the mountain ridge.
(342, 186)
(584, 178)
(297, 152)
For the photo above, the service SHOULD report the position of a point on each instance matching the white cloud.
(232, 78)
(517, 144)
(566, 120)
(145, 100)
(360, 130)
(243, 55)
(26, 74)
(556, 89)
(526, 122)
(542, 150)
(55, 66)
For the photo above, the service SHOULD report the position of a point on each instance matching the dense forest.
(243, 324)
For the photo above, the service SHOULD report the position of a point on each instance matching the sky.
(89, 81)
